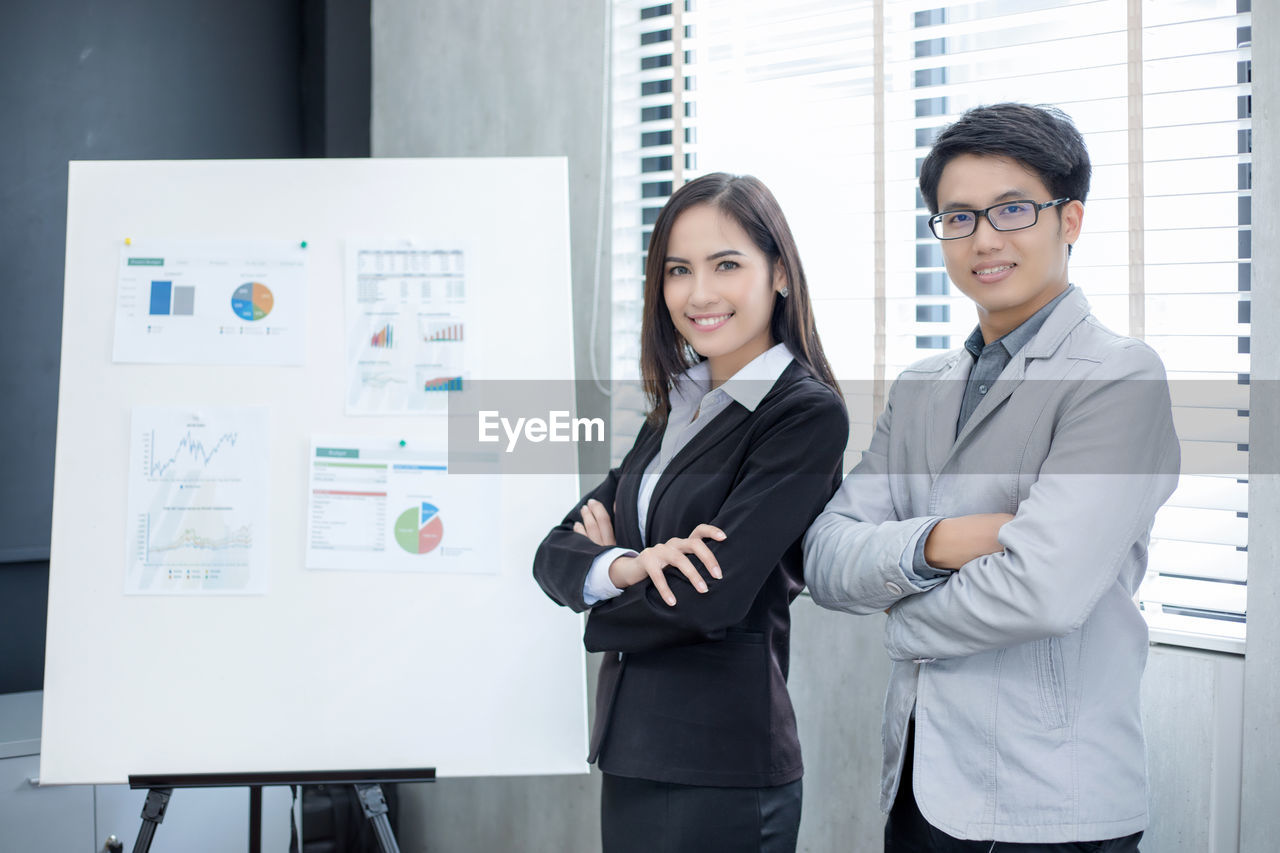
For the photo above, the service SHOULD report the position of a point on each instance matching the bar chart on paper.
(438, 332)
(442, 383)
(170, 301)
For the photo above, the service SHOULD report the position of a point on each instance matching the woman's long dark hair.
(664, 354)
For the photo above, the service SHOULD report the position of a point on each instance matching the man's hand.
(955, 541)
(652, 561)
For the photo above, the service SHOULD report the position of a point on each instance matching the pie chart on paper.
(419, 530)
(252, 301)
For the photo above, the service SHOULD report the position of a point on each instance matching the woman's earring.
(786, 291)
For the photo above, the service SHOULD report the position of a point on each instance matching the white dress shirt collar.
(748, 386)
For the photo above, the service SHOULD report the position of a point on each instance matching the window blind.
(834, 105)
(1196, 74)
(654, 146)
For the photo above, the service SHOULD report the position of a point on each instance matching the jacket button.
(893, 588)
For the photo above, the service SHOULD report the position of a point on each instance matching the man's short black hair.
(1043, 139)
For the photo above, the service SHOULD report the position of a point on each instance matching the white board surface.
(328, 670)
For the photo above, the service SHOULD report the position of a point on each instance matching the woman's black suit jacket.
(696, 693)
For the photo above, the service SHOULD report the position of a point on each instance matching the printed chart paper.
(377, 506)
(211, 302)
(198, 501)
(407, 330)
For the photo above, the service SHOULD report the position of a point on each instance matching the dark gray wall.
(336, 76)
(24, 591)
(132, 79)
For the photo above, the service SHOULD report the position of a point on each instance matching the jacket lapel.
(1065, 317)
(626, 522)
(721, 426)
(1010, 378)
(945, 396)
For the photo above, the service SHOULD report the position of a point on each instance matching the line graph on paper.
(207, 543)
(380, 376)
(197, 500)
(190, 450)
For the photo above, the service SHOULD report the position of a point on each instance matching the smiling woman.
(688, 554)
(720, 290)
(726, 217)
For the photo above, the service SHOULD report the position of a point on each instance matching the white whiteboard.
(330, 670)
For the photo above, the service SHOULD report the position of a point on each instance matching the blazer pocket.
(737, 636)
(1051, 679)
(705, 704)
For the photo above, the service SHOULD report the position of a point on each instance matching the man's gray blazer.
(1024, 666)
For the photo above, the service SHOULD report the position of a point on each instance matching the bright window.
(833, 105)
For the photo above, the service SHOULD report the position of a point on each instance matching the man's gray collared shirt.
(989, 361)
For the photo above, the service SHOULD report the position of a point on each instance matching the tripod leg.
(255, 819)
(152, 816)
(374, 806)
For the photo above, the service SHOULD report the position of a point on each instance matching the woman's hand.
(651, 562)
(596, 524)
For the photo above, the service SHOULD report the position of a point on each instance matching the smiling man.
(1001, 516)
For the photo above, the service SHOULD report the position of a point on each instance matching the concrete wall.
(461, 78)
(838, 673)
(1192, 708)
(1260, 806)
(453, 77)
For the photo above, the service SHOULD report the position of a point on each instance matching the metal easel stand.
(152, 816)
(374, 806)
(372, 803)
(368, 785)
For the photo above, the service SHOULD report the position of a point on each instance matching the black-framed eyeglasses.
(1005, 216)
